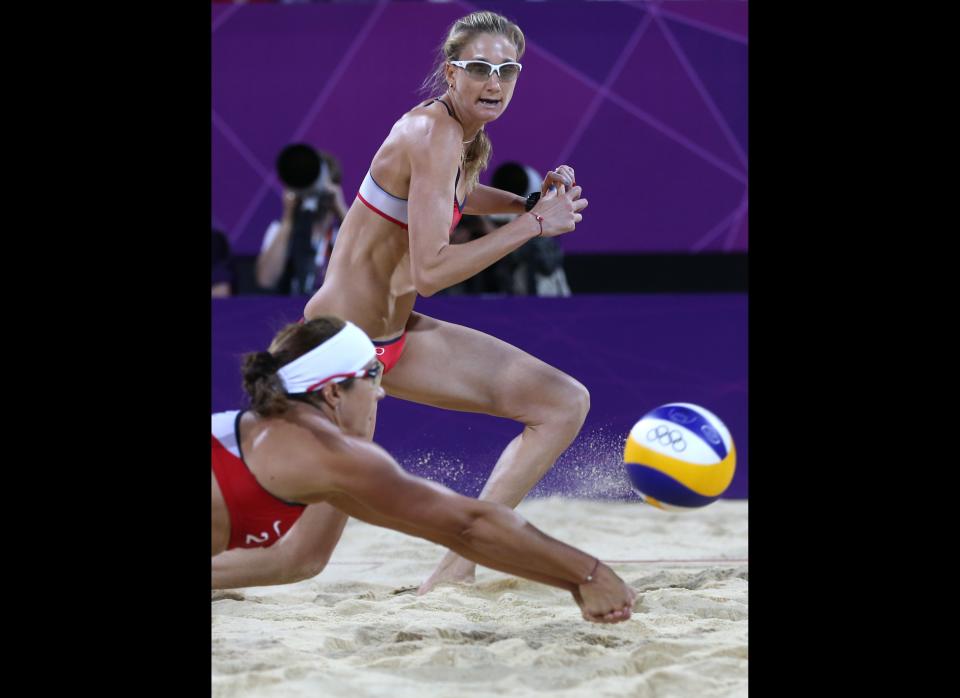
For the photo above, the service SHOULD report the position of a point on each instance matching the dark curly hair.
(260, 379)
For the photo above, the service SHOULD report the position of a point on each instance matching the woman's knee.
(577, 400)
(564, 402)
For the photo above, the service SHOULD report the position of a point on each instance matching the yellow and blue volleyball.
(679, 456)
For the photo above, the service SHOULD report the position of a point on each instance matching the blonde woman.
(394, 244)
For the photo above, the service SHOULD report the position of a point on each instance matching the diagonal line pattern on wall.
(341, 69)
(627, 105)
(715, 231)
(639, 113)
(238, 144)
(270, 180)
(735, 226)
(249, 134)
(702, 26)
(224, 16)
(698, 84)
(598, 97)
(676, 136)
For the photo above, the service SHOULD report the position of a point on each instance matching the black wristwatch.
(532, 200)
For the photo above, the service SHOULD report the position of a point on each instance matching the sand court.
(350, 632)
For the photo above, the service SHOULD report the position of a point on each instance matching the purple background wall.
(633, 352)
(648, 102)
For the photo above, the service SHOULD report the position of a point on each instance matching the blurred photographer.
(535, 268)
(297, 246)
(495, 279)
(222, 266)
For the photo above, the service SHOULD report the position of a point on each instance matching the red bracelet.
(539, 221)
(590, 576)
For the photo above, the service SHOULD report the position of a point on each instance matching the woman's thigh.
(459, 368)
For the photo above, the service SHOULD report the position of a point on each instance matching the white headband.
(342, 356)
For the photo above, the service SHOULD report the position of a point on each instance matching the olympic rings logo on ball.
(668, 438)
(679, 456)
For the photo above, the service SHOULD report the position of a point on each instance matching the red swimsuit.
(258, 519)
(394, 209)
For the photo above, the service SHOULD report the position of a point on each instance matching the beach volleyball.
(679, 456)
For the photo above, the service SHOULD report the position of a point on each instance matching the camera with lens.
(308, 174)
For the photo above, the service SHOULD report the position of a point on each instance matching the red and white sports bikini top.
(393, 208)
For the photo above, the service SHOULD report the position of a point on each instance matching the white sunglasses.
(481, 70)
